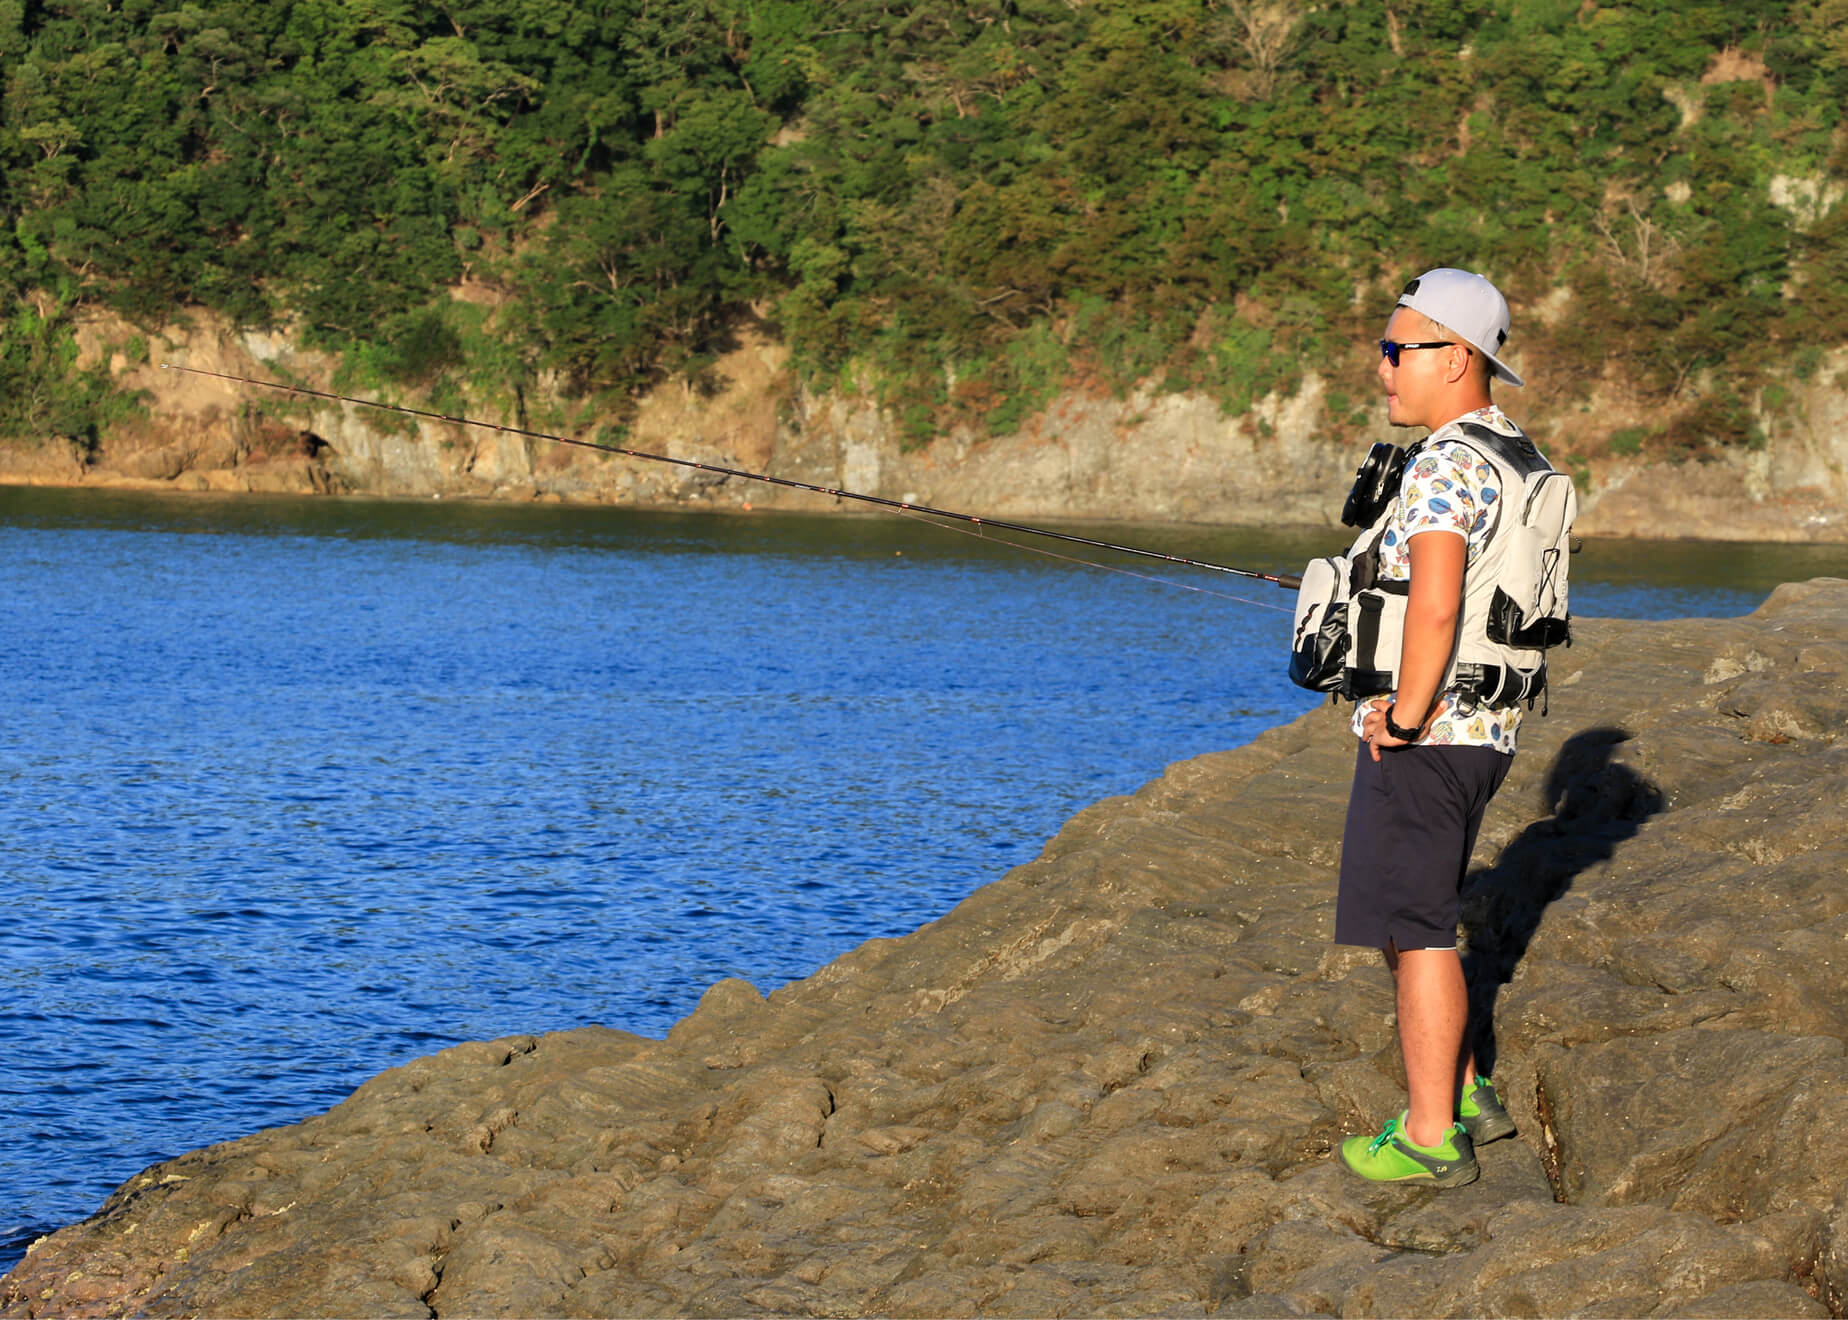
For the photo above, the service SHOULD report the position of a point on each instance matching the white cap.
(1469, 305)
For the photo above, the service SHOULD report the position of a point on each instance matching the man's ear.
(1458, 366)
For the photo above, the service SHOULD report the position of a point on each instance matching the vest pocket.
(1525, 629)
(1378, 620)
(1318, 653)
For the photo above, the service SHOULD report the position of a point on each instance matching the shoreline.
(1111, 1079)
(1824, 531)
(1146, 457)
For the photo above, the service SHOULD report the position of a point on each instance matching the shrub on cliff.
(963, 207)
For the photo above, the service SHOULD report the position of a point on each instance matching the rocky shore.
(1152, 456)
(1109, 1083)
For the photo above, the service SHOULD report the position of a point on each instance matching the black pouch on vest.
(1376, 484)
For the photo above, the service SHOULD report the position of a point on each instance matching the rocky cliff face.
(1150, 457)
(1110, 1082)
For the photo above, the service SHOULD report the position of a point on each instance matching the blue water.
(293, 791)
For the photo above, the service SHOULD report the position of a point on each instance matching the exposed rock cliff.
(1109, 1083)
(1150, 457)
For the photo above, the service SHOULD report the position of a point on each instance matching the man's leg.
(1433, 1002)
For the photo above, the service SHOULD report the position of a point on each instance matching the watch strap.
(1403, 735)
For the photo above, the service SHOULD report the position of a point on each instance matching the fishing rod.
(1286, 581)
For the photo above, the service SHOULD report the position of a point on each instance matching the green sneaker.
(1482, 1115)
(1391, 1157)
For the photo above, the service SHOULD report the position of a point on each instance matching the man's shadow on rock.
(1596, 804)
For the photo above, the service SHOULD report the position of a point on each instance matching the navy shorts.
(1411, 825)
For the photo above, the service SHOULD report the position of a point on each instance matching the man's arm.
(1431, 613)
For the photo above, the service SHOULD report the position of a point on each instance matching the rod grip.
(1287, 582)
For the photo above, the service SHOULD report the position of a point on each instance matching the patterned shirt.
(1451, 488)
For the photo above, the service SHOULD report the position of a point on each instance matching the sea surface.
(293, 791)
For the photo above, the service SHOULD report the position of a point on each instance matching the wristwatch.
(1403, 735)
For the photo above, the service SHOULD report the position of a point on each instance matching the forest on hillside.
(960, 208)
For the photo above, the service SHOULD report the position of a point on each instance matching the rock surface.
(1109, 1083)
(1149, 457)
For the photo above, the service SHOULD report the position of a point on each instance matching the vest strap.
(1501, 685)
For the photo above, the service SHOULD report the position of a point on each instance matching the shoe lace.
(1392, 1126)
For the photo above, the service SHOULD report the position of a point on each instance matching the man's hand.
(1373, 725)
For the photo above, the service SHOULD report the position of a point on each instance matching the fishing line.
(1285, 581)
(1092, 563)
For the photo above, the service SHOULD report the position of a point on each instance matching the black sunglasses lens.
(1390, 350)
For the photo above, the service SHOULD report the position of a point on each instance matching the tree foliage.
(959, 207)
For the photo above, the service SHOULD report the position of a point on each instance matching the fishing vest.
(1350, 624)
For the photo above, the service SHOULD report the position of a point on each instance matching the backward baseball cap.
(1470, 306)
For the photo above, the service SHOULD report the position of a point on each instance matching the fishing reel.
(1376, 484)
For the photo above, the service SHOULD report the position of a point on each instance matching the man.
(1432, 752)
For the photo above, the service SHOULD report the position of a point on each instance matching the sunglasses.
(1391, 348)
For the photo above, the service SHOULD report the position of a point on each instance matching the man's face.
(1414, 388)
